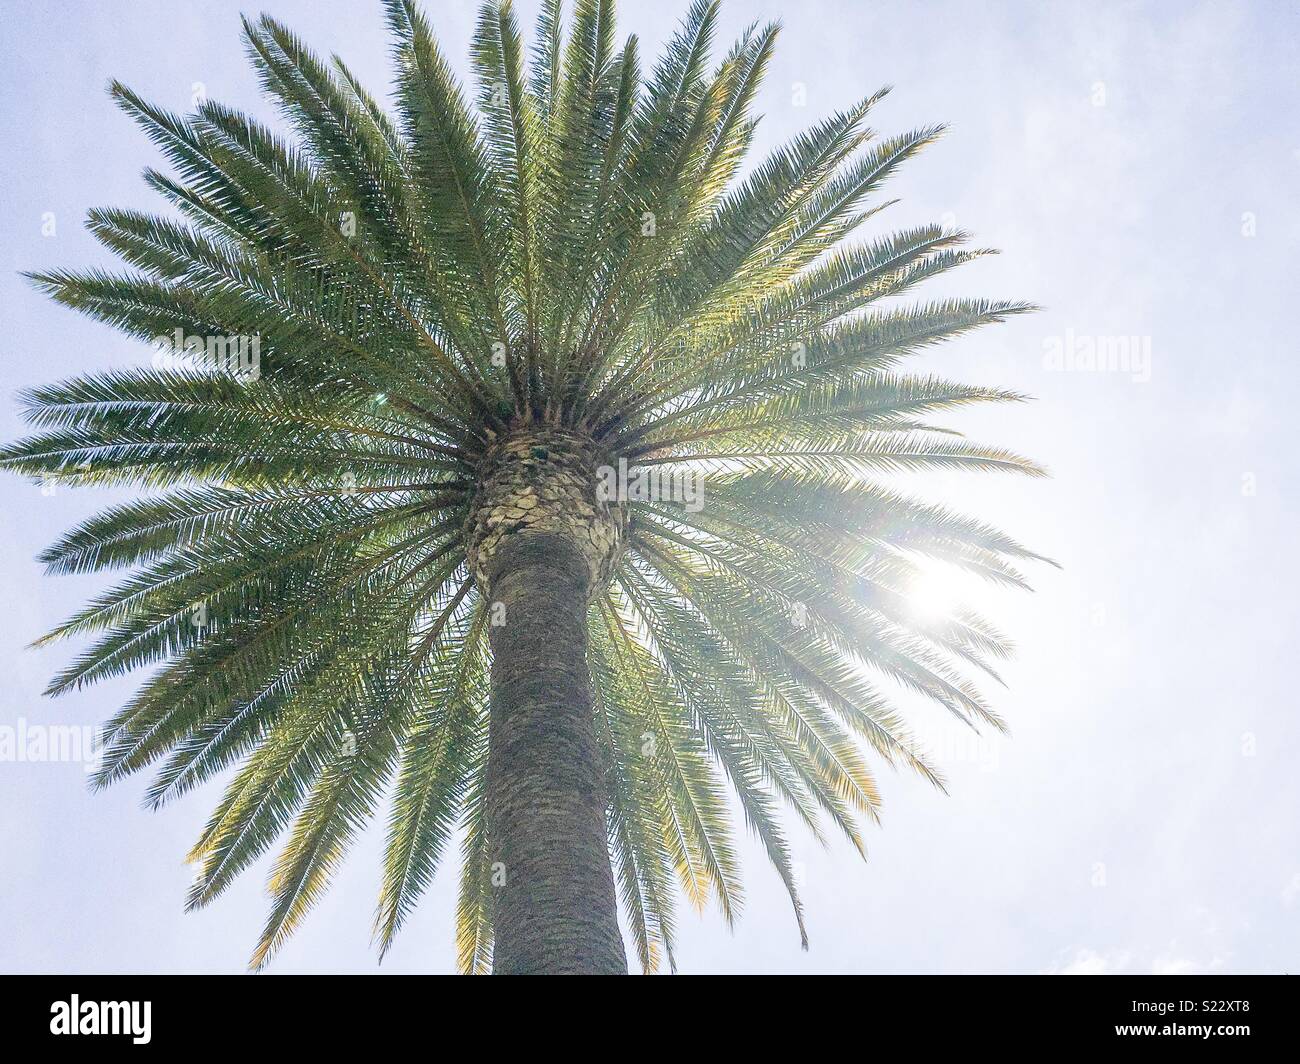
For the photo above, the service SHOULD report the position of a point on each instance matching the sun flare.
(935, 594)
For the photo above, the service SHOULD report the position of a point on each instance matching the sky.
(1138, 165)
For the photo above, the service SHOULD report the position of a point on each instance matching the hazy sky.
(1139, 166)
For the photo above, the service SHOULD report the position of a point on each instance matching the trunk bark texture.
(554, 903)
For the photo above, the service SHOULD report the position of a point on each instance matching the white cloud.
(1090, 962)
(1086, 961)
(1291, 892)
(1171, 964)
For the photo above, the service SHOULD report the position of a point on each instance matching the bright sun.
(935, 594)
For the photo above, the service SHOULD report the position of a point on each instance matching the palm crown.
(455, 310)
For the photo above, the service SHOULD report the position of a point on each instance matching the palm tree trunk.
(554, 904)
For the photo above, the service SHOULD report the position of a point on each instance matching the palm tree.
(549, 496)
